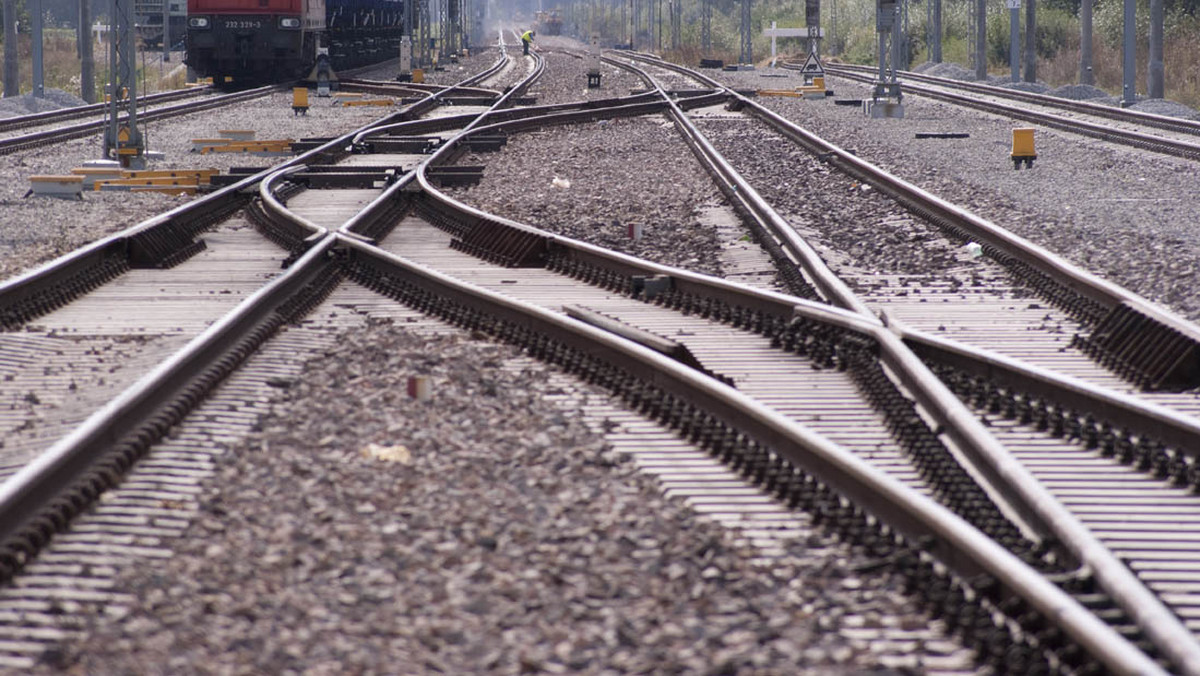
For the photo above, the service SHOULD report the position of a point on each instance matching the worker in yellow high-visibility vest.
(527, 38)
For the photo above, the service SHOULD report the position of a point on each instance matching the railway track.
(984, 98)
(90, 110)
(510, 246)
(1135, 117)
(59, 134)
(813, 398)
(1126, 488)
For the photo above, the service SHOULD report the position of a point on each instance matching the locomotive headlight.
(197, 22)
(289, 22)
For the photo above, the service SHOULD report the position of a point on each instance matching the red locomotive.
(248, 42)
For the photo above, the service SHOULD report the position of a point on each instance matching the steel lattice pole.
(747, 57)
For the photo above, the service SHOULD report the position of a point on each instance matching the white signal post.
(774, 32)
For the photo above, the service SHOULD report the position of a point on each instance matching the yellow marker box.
(1022, 148)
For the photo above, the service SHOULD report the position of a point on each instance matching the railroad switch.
(1022, 148)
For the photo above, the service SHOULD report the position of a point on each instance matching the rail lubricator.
(806, 471)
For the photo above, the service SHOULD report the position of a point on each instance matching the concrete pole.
(87, 62)
(1086, 75)
(935, 42)
(747, 55)
(899, 44)
(833, 34)
(1031, 40)
(1154, 73)
(1014, 40)
(1128, 49)
(38, 39)
(12, 84)
(981, 40)
(166, 38)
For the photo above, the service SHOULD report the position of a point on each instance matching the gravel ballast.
(576, 181)
(1122, 214)
(502, 536)
(511, 539)
(34, 230)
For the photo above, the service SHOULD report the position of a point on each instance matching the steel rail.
(1143, 141)
(518, 90)
(384, 203)
(490, 70)
(739, 192)
(667, 65)
(996, 241)
(32, 502)
(831, 465)
(1115, 408)
(432, 100)
(75, 112)
(383, 86)
(41, 138)
(416, 127)
(1090, 630)
(1007, 483)
(1164, 122)
(302, 228)
(1033, 502)
(955, 543)
(152, 405)
(44, 288)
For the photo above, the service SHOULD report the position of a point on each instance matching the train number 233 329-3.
(243, 24)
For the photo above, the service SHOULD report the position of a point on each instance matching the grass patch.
(61, 66)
